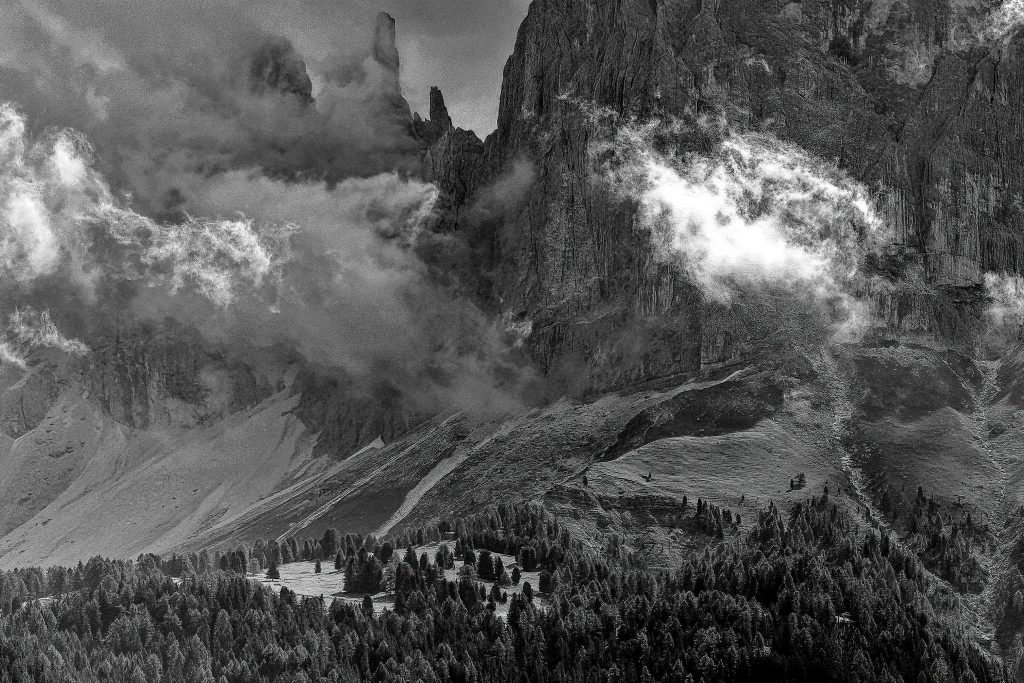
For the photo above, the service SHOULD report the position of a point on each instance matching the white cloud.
(754, 211)
(1006, 19)
(50, 198)
(28, 330)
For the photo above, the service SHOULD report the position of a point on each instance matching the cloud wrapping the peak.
(754, 214)
(329, 272)
(755, 210)
(183, 89)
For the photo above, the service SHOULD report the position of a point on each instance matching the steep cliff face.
(143, 376)
(346, 415)
(918, 99)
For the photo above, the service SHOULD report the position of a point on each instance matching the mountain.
(654, 388)
(906, 98)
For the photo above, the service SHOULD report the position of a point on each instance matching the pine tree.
(386, 551)
(547, 582)
(485, 565)
(329, 543)
(316, 567)
(350, 576)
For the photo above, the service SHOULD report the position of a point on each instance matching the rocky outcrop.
(920, 101)
(149, 377)
(26, 399)
(145, 377)
(346, 415)
(724, 408)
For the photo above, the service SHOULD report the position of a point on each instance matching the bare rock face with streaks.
(919, 101)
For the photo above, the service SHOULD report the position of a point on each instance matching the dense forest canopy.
(807, 596)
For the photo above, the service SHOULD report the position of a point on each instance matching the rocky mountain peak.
(438, 111)
(440, 122)
(277, 67)
(385, 49)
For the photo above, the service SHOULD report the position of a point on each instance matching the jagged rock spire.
(439, 122)
(438, 111)
(385, 51)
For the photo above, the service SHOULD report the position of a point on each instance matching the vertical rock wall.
(917, 99)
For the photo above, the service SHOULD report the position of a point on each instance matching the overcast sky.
(460, 46)
(49, 46)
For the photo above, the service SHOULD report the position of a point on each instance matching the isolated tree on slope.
(317, 568)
